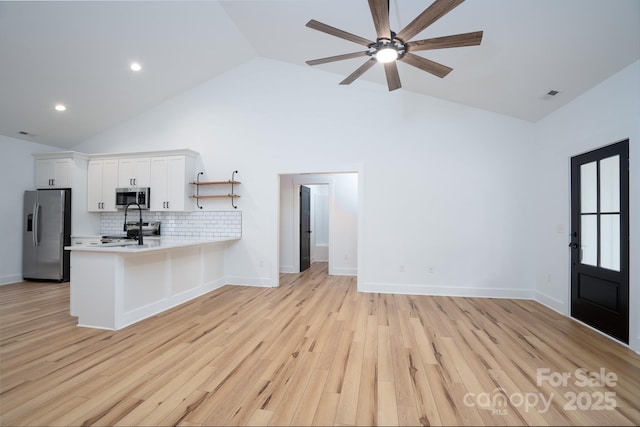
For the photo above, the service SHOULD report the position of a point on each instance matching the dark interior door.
(600, 239)
(305, 227)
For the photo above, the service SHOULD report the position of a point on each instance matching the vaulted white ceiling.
(78, 53)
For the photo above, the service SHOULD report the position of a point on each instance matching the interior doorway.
(333, 222)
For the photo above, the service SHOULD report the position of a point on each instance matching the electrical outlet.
(346, 257)
(430, 270)
(261, 264)
(401, 269)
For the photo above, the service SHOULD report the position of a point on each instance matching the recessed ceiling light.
(135, 66)
(60, 107)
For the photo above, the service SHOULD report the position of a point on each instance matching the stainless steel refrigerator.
(46, 231)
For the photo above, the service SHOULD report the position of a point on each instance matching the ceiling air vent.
(549, 95)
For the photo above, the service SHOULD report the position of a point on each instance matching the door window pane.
(589, 239)
(610, 184)
(588, 188)
(610, 242)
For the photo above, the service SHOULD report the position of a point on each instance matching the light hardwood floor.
(313, 351)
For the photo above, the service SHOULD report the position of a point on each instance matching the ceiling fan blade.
(338, 33)
(360, 71)
(427, 65)
(458, 40)
(336, 58)
(437, 10)
(393, 79)
(380, 15)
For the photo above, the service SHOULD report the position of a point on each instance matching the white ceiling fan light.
(60, 108)
(387, 54)
(135, 66)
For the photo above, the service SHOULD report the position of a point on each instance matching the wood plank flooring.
(311, 352)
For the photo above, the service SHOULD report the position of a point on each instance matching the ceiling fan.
(390, 47)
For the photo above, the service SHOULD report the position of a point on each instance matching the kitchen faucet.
(139, 225)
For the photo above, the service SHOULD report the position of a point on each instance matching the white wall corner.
(552, 303)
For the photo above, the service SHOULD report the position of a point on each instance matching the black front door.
(305, 227)
(600, 239)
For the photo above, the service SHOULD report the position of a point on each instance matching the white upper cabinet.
(68, 169)
(54, 173)
(101, 186)
(134, 172)
(169, 183)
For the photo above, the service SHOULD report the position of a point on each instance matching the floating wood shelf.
(231, 182)
(214, 182)
(215, 196)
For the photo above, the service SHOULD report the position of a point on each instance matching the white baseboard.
(384, 288)
(552, 303)
(11, 278)
(334, 271)
(261, 282)
(287, 269)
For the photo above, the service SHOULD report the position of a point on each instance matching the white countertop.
(150, 244)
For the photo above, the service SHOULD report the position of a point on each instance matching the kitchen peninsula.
(115, 286)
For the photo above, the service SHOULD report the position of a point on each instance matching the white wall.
(446, 186)
(342, 197)
(606, 114)
(17, 172)
(320, 221)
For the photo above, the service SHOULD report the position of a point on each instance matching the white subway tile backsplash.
(209, 224)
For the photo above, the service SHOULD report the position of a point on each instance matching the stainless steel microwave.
(139, 195)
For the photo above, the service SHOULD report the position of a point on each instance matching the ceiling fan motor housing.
(388, 43)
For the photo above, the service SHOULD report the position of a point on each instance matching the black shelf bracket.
(198, 190)
(233, 179)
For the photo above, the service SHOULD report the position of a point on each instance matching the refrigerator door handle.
(34, 227)
(36, 224)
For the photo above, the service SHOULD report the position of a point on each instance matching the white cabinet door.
(53, 173)
(44, 173)
(94, 186)
(168, 183)
(158, 184)
(176, 181)
(109, 185)
(101, 185)
(62, 173)
(134, 172)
